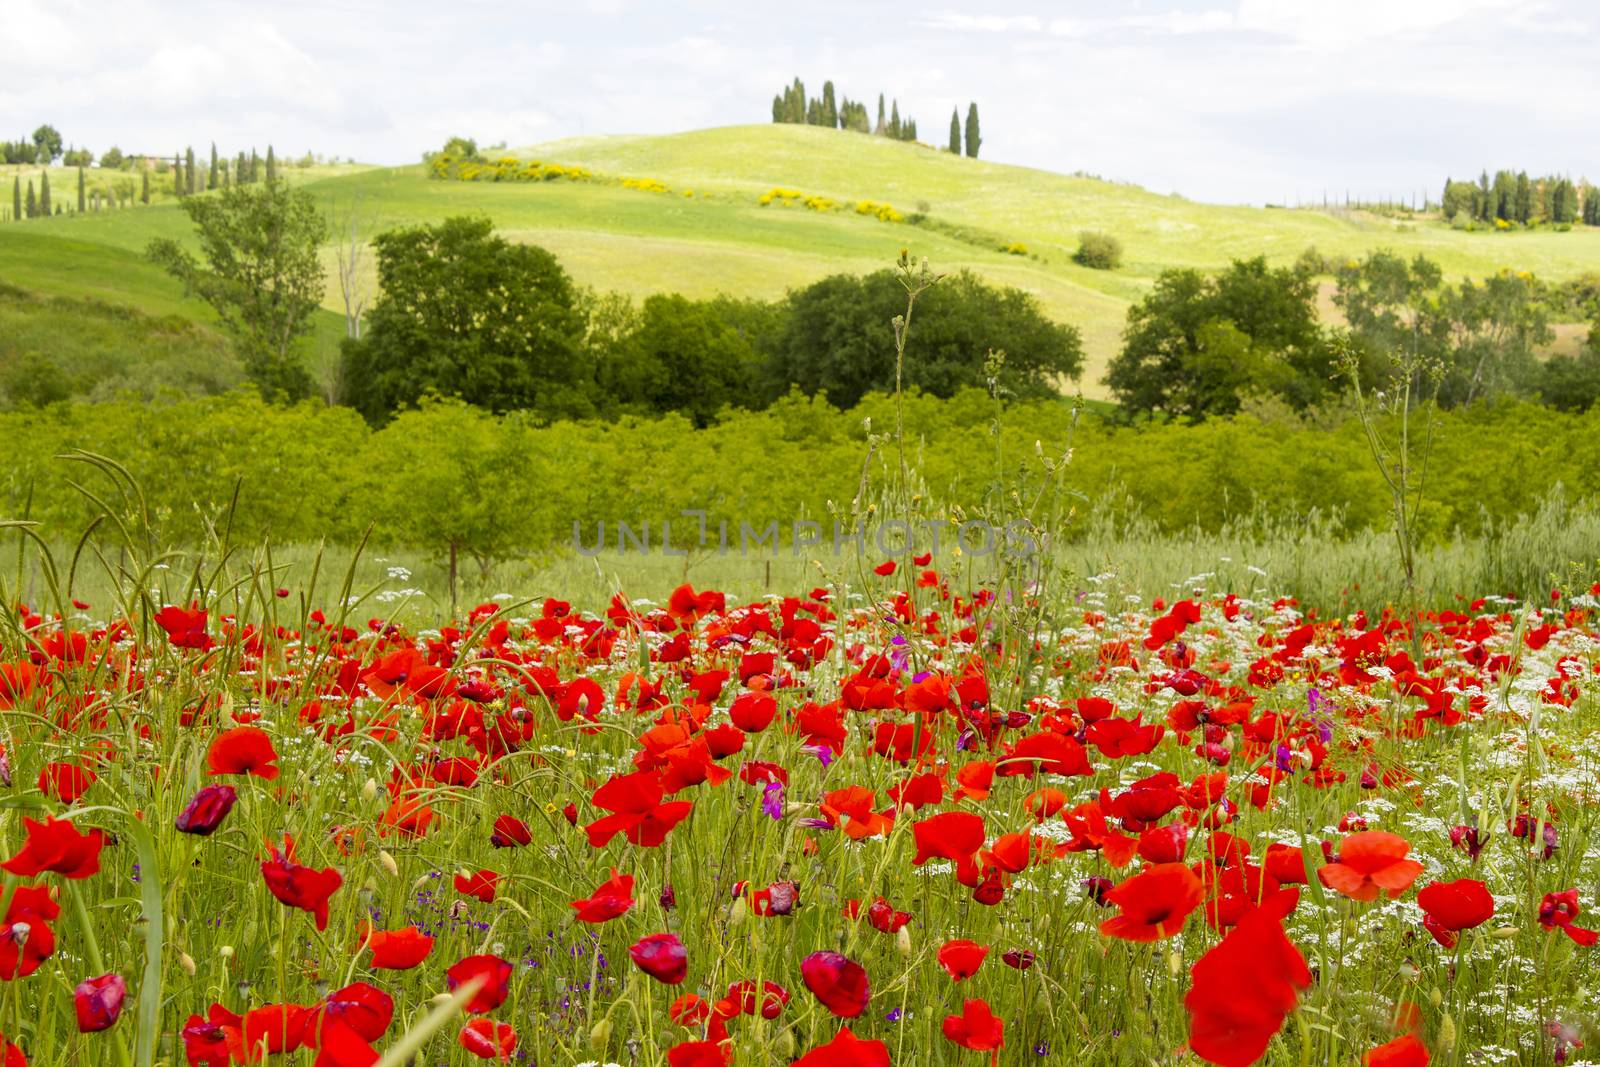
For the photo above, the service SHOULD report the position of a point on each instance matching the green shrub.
(1100, 251)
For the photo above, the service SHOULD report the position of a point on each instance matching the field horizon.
(709, 233)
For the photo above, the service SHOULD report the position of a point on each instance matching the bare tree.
(351, 250)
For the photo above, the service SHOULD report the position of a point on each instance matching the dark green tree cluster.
(464, 313)
(793, 106)
(1199, 344)
(1480, 340)
(44, 146)
(1515, 198)
(189, 177)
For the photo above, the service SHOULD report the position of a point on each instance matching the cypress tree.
(910, 129)
(830, 109)
(814, 112)
(272, 165)
(1524, 199)
(883, 124)
(189, 180)
(955, 132)
(33, 204)
(894, 120)
(44, 194)
(777, 107)
(80, 190)
(177, 175)
(974, 138)
(16, 198)
(211, 178)
(144, 185)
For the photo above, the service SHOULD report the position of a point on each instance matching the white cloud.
(1219, 99)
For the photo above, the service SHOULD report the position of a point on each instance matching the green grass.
(81, 346)
(721, 240)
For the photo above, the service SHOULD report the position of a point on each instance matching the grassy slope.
(721, 240)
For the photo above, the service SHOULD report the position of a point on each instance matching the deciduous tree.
(260, 272)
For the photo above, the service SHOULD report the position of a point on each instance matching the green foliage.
(53, 348)
(1479, 338)
(113, 159)
(1100, 251)
(974, 138)
(47, 141)
(1198, 345)
(260, 273)
(311, 472)
(955, 132)
(465, 313)
(838, 339)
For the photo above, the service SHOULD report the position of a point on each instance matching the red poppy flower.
(489, 1040)
(510, 832)
(300, 887)
(753, 712)
(1154, 903)
(65, 782)
(57, 846)
(26, 939)
(98, 1002)
(1450, 907)
(976, 1028)
(613, 898)
(700, 1054)
(1243, 988)
(205, 1042)
(343, 1026)
(243, 750)
(277, 1028)
(1556, 912)
(962, 958)
(184, 627)
(1286, 863)
(638, 813)
(846, 1050)
(398, 950)
(838, 982)
(1368, 862)
(662, 957)
(951, 835)
(496, 975)
(480, 885)
(206, 810)
(1404, 1051)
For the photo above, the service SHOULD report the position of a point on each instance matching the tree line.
(1204, 344)
(1516, 198)
(462, 312)
(792, 105)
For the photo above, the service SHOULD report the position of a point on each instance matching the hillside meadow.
(708, 233)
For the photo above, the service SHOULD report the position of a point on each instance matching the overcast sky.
(1225, 100)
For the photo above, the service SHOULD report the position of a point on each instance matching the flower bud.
(600, 1036)
(902, 941)
(226, 952)
(186, 961)
(1446, 1039)
(369, 790)
(388, 863)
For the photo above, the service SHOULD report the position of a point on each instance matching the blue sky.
(1225, 100)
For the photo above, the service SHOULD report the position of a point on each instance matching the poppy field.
(848, 826)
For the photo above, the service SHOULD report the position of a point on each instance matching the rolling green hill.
(709, 232)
